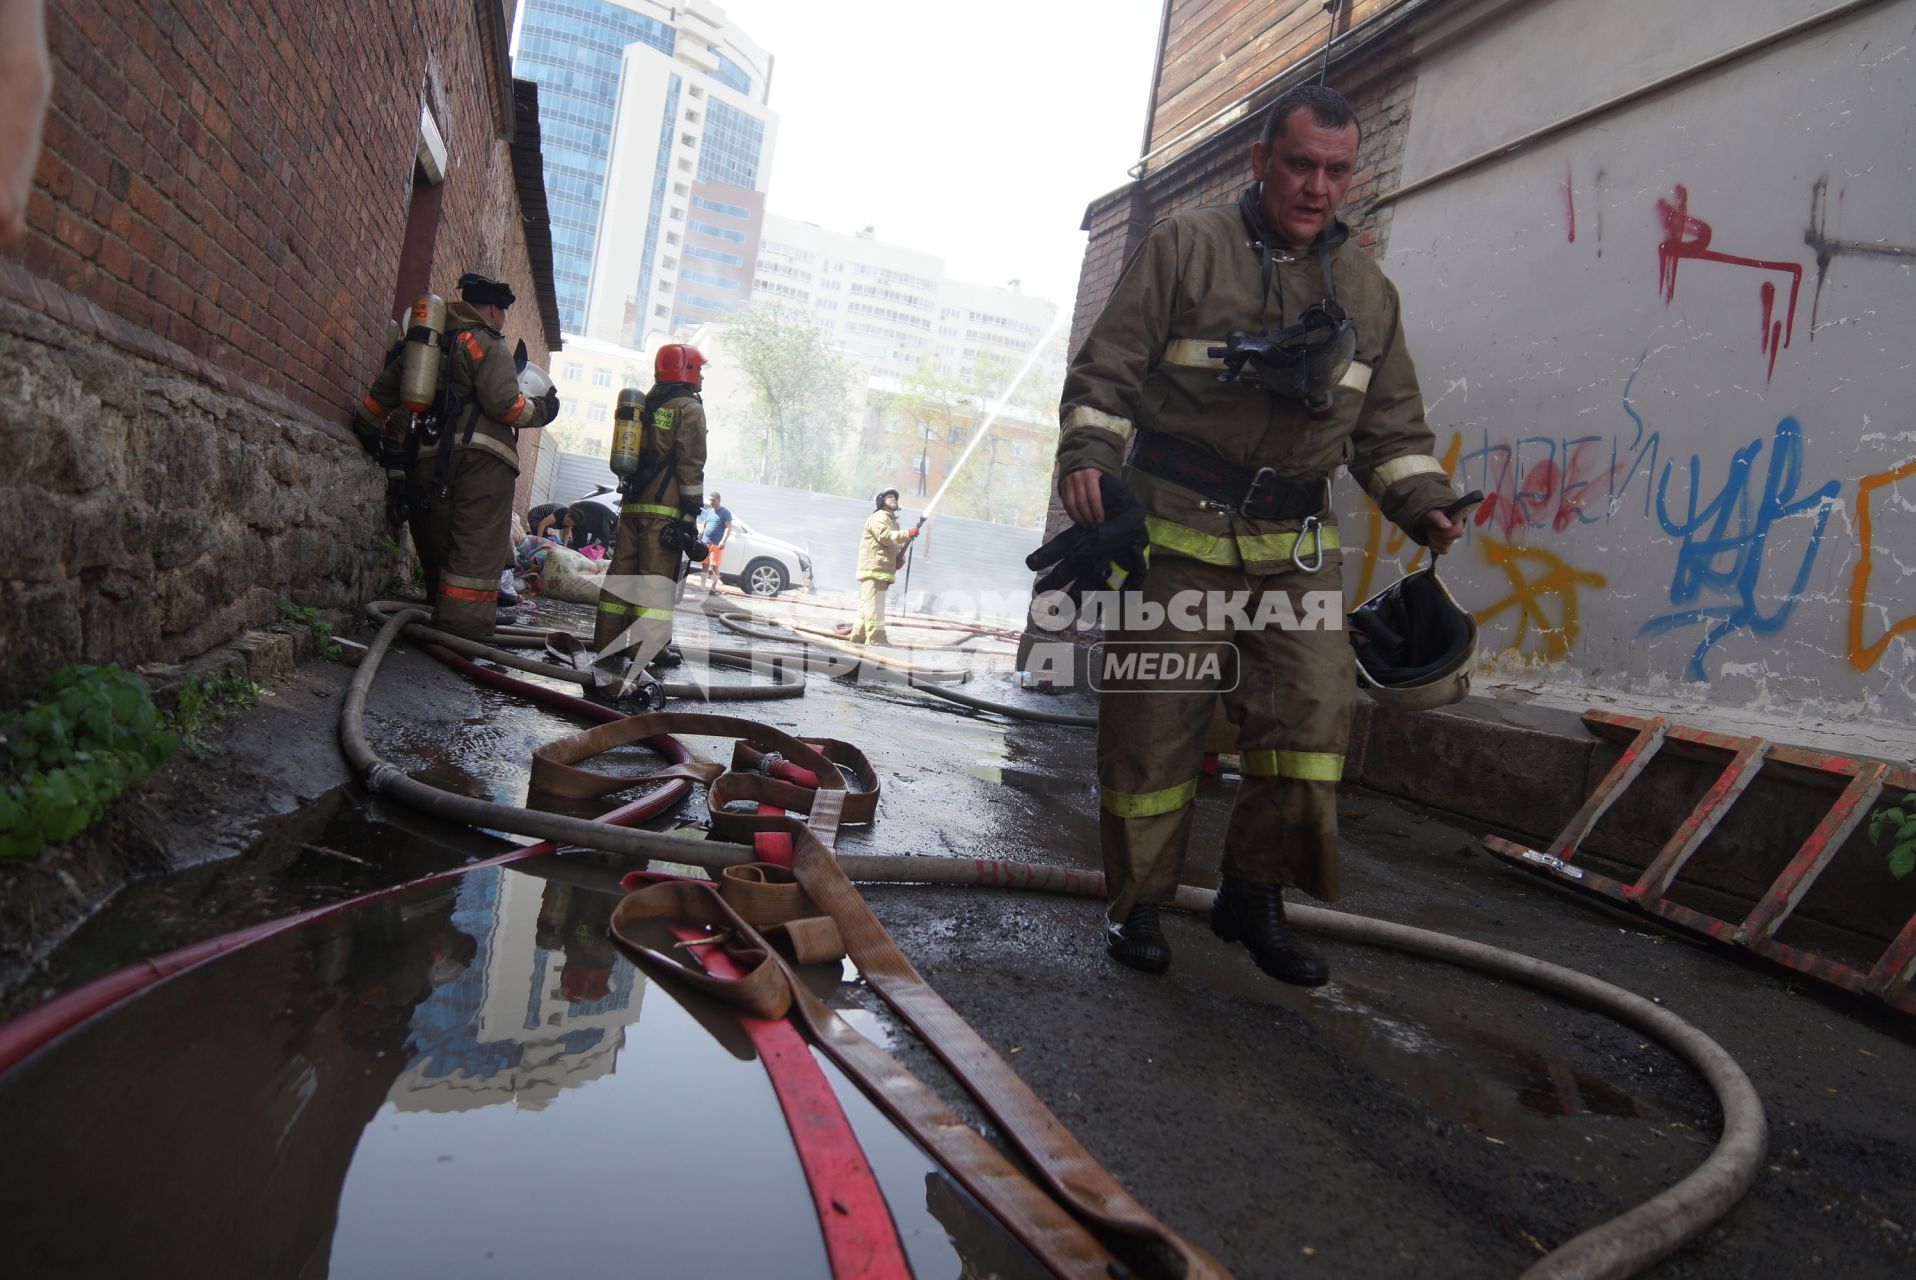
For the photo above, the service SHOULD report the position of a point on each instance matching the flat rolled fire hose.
(730, 619)
(1617, 1248)
(747, 624)
(787, 681)
(1073, 1177)
(768, 988)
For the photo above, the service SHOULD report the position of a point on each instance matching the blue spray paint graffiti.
(1732, 532)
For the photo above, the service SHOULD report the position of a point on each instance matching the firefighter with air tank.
(658, 453)
(452, 456)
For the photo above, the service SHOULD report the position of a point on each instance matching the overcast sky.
(978, 132)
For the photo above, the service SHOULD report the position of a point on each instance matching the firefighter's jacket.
(670, 481)
(1145, 366)
(879, 546)
(484, 390)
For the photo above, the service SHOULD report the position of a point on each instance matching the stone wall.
(149, 517)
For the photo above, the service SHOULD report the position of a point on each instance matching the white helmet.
(1415, 644)
(534, 382)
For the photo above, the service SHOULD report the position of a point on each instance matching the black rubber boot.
(666, 659)
(1253, 914)
(1139, 941)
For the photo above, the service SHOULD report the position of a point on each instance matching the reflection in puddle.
(453, 1080)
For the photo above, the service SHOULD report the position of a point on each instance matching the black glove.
(1110, 557)
(368, 439)
(550, 401)
(683, 536)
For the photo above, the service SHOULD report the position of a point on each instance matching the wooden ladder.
(1890, 977)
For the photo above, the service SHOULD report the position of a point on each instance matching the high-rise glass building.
(657, 148)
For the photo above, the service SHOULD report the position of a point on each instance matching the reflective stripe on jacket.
(1145, 365)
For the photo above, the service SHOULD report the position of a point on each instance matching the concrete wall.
(1673, 345)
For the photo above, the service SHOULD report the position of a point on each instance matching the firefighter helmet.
(1414, 643)
(677, 362)
(878, 499)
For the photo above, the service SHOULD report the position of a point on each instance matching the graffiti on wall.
(1865, 654)
(1543, 596)
(1724, 542)
(1688, 238)
(1828, 248)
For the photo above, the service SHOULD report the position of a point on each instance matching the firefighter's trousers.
(870, 628)
(464, 540)
(1292, 708)
(635, 604)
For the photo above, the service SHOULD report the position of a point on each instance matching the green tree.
(800, 392)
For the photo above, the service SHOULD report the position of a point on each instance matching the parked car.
(756, 563)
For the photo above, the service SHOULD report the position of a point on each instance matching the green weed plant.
(88, 735)
(1892, 829)
(304, 615)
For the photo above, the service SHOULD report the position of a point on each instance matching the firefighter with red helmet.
(658, 452)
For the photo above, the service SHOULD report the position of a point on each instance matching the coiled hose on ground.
(1618, 1248)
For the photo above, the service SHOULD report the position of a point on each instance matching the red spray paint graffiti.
(1570, 200)
(1687, 237)
(1550, 493)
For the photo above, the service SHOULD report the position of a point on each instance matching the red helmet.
(677, 362)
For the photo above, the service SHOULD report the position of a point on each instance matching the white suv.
(756, 563)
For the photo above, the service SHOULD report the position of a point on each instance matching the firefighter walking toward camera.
(878, 552)
(455, 461)
(1246, 352)
(658, 453)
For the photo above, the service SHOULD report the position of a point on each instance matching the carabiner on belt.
(1314, 529)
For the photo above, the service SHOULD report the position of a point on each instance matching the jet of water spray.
(996, 409)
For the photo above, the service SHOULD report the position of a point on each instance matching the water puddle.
(460, 1079)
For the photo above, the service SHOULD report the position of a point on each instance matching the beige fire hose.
(1617, 1248)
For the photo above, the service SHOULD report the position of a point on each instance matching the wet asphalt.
(1409, 1119)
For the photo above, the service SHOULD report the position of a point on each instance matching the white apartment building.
(893, 306)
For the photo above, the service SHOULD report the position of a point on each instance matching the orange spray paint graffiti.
(1528, 595)
(1864, 656)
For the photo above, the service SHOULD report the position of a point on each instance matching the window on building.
(602, 377)
(671, 237)
(595, 413)
(661, 311)
(573, 371)
(1018, 448)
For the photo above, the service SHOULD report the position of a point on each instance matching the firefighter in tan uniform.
(662, 489)
(878, 548)
(1247, 351)
(462, 471)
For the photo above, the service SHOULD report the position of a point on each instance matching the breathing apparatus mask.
(1302, 361)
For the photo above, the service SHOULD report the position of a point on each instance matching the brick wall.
(234, 179)
(204, 291)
